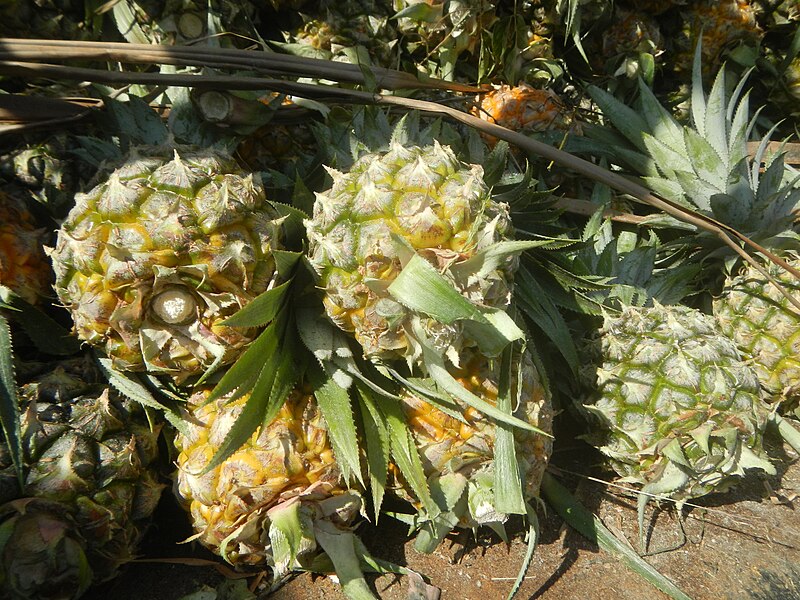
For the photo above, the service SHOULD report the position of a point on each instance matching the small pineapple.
(458, 451)
(619, 47)
(676, 409)
(90, 486)
(264, 503)
(389, 207)
(24, 267)
(523, 108)
(152, 260)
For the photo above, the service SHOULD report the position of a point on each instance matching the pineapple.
(724, 24)
(706, 166)
(457, 449)
(392, 206)
(265, 503)
(765, 327)
(24, 267)
(152, 260)
(676, 409)
(443, 30)
(333, 30)
(523, 108)
(90, 485)
(630, 34)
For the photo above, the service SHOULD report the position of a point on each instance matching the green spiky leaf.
(9, 403)
(48, 336)
(376, 438)
(129, 386)
(508, 496)
(262, 310)
(401, 443)
(590, 526)
(334, 402)
(341, 548)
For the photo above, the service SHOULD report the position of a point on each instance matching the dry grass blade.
(25, 113)
(267, 62)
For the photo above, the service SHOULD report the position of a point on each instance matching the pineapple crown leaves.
(705, 166)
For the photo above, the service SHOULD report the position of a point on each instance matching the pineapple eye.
(174, 306)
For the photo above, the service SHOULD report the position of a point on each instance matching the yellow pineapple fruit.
(23, 265)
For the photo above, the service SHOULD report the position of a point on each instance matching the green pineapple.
(152, 260)
(440, 31)
(706, 166)
(676, 408)
(90, 485)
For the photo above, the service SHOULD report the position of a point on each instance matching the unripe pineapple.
(618, 47)
(766, 328)
(388, 206)
(152, 260)
(90, 486)
(24, 267)
(278, 486)
(458, 455)
(676, 409)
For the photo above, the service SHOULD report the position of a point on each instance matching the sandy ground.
(741, 545)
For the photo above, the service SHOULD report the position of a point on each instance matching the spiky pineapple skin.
(288, 461)
(154, 258)
(449, 445)
(438, 207)
(523, 108)
(723, 24)
(90, 486)
(333, 29)
(668, 384)
(765, 327)
(24, 267)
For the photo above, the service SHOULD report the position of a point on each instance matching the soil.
(742, 545)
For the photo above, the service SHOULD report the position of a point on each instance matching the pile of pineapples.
(284, 313)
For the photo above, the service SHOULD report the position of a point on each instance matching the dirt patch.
(737, 546)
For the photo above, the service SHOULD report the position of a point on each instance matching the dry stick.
(21, 49)
(325, 92)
